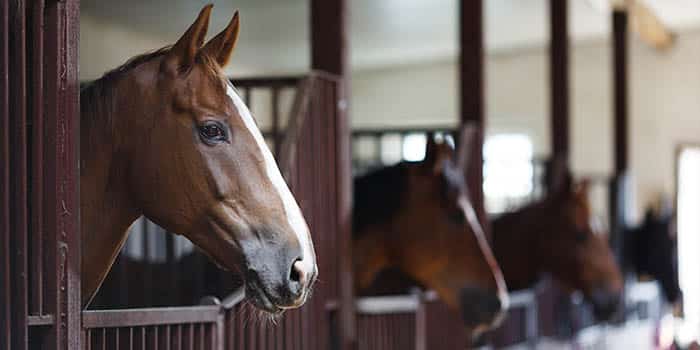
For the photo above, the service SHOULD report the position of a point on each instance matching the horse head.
(190, 158)
(429, 231)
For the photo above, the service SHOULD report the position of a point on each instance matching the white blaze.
(291, 208)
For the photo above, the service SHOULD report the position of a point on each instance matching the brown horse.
(414, 217)
(558, 235)
(167, 136)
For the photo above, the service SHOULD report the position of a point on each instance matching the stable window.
(508, 171)
(688, 206)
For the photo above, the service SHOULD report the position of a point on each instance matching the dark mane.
(530, 217)
(378, 196)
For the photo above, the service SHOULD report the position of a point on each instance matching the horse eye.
(212, 132)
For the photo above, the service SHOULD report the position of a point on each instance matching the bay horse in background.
(650, 251)
(558, 235)
(415, 217)
(167, 136)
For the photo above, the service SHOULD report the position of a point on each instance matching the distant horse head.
(650, 251)
(559, 235)
(167, 136)
(415, 217)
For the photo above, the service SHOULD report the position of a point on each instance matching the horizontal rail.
(43, 320)
(522, 298)
(150, 316)
(285, 81)
(399, 304)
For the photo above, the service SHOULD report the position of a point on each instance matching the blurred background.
(403, 81)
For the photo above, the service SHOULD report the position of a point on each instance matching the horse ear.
(221, 46)
(467, 136)
(183, 53)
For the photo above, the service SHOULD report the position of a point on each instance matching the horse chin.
(257, 296)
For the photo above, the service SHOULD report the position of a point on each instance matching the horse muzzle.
(481, 308)
(605, 303)
(277, 278)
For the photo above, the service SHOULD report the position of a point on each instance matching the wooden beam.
(619, 183)
(329, 36)
(559, 75)
(329, 53)
(619, 23)
(471, 82)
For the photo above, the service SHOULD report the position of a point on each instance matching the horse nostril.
(296, 274)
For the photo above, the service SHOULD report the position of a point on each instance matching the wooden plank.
(559, 75)
(61, 173)
(36, 109)
(18, 179)
(150, 316)
(329, 53)
(6, 286)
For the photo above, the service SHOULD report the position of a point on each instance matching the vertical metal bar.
(559, 75)
(165, 337)
(143, 337)
(190, 336)
(61, 173)
(5, 269)
(18, 179)
(276, 132)
(154, 336)
(202, 332)
(421, 326)
(36, 108)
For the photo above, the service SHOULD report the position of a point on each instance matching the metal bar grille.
(39, 260)
(5, 268)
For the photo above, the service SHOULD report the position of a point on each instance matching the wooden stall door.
(39, 183)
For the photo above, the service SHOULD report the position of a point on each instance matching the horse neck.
(517, 243)
(106, 210)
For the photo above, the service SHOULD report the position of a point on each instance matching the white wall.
(664, 104)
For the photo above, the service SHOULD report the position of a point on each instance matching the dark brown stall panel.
(330, 22)
(39, 211)
(5, 249)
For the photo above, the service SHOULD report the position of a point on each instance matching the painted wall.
(664, 110)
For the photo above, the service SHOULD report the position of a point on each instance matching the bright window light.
(414, 147)
(689, 233)
(508, 170)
